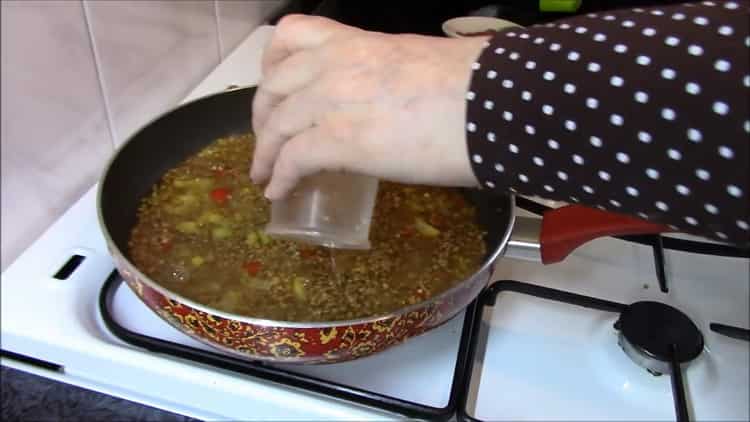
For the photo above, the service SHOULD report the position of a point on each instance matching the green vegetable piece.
(187, 227)
(264, 238)
(425, 229)
(221, 232)
(298, 286)
(202, 183)
(229, 301)
(252, 240)
(182, 205)
(197, 261)
(210, 217)
(414, 205)
(176, 210)
(197, 184)
(187, 199)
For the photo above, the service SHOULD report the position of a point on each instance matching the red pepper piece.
(437, 220)
(307, 253)
(220, 195)
(252, 267)
(407, 231)
(166, 245)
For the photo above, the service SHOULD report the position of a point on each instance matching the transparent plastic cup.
(332, 209)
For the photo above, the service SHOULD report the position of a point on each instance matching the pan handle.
(564, 229)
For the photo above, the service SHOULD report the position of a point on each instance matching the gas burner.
(655, 335)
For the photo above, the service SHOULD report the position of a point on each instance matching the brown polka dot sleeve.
(641, 111)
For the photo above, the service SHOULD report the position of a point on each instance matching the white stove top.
(544, 360)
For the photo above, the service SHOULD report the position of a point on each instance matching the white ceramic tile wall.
(55, 137)
(150, 54)
(237, 17)
(80, 76)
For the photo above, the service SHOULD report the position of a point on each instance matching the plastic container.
(329, 209)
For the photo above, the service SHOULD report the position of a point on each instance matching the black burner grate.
(730, 331)
(462, 375)
(267, 372)
(489, 297)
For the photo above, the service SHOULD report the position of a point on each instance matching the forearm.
(641, 111)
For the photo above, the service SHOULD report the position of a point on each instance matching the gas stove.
(597, 337)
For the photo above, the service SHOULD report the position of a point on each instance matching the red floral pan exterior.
(136, 166)
(296, 343)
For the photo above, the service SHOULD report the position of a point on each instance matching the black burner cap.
(655, 327)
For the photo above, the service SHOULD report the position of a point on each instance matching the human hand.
(334, 97)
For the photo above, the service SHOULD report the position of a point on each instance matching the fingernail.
(269, 194)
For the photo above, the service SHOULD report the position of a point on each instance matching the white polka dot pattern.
(638, 111)
(694, 135)
(672, 41)
(668, 73)
(702, 174)
(692, 88)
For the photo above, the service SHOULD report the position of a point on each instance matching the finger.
(290, 75)
(263, 104)
(307, 153)
(295, 71)
(295, 114)
(299, 32)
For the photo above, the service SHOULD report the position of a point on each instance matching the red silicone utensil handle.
(566, 228)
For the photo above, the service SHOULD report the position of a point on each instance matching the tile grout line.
(219, 41)
(99, 75)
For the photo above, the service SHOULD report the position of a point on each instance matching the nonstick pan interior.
(171, 138)
(162, 145)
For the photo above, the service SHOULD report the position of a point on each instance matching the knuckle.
(278, 124)
(295, 149)
(354, 50)
(297, 22)
(288, 22)
(338, 128)
(268, 85)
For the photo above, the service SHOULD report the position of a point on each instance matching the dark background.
(426, 17)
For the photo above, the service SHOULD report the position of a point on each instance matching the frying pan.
(172, 137)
